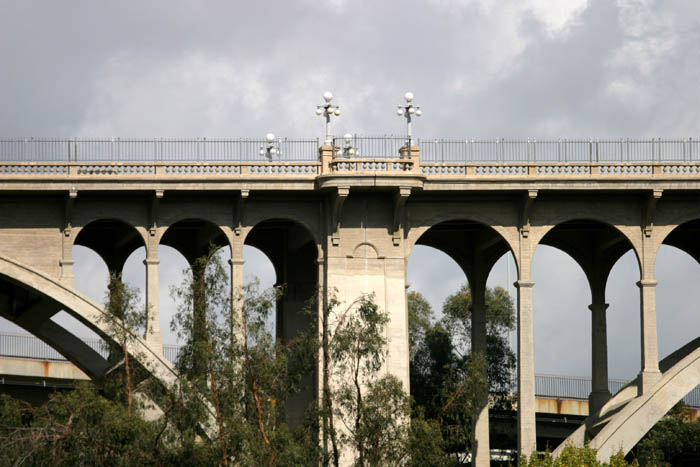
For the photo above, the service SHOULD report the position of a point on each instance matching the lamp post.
(408, 110)
(327, 110)
(270, 148)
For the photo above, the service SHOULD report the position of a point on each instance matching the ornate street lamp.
(408, 110)
(327, 110)
(271, 148)
(348, 150)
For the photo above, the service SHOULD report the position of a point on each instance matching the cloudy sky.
(478, 68)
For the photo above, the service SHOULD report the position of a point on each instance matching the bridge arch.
(683, 236)
(193, 236)
(113, 239)
(595, 245)
(40, 296)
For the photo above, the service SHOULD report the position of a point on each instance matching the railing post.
(325, 155)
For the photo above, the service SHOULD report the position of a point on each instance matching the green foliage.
(123, 317)
(77, 428)
(674, 440)
(245, 374)
(420, 317)
(573, 457)
(426, 445)
(448, 382)
(363, 412)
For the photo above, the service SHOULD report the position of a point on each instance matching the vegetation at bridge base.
(574, 457)
(123, 318)
(79, 427)
(235, 380)
(674, 441)
(448, 381)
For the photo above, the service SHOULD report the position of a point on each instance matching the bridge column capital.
(647, 283)
(524, 284)
(599, 307)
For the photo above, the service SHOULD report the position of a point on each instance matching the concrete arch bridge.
(331, 222)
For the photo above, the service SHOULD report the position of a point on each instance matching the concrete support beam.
(82, 355)
(650, 348)
(527, 438)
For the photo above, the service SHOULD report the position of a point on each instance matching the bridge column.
(650, 350)
(237, 262)
(66, 262)
(153, 334)
(481, 452)
(527, 437)
(600, 393)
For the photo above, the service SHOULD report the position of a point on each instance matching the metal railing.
(570, 387)
(32, 348)
(153, 150)
(562, 150)
(553, 386)
(373, 147)
(368, 147)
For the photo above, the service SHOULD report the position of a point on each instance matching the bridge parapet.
(348, 166)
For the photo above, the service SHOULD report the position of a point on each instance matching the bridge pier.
(481, 452)
(527, 405)
(650, 373)
(600, 392)
(153, 334)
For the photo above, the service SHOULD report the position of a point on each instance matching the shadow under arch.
(293, 251)
(594, 245)
(685, 237)
(112, 239)
(194, 237)
(474, 246)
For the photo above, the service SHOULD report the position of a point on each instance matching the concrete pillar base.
(648, 379)
(596, 400)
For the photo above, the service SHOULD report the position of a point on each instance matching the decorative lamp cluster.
(272, 148)
(408, 110)
(327, 110)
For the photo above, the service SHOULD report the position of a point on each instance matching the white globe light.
(337, 112)
(408, 96)
(351, 152)
(319, 110)
(347, 137)
(273, 151)
(418, 113)
(411, 110)
(262, 152)
(328, 96)
(399, 112)
(270, 137)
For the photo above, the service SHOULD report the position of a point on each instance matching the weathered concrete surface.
(40, 369)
